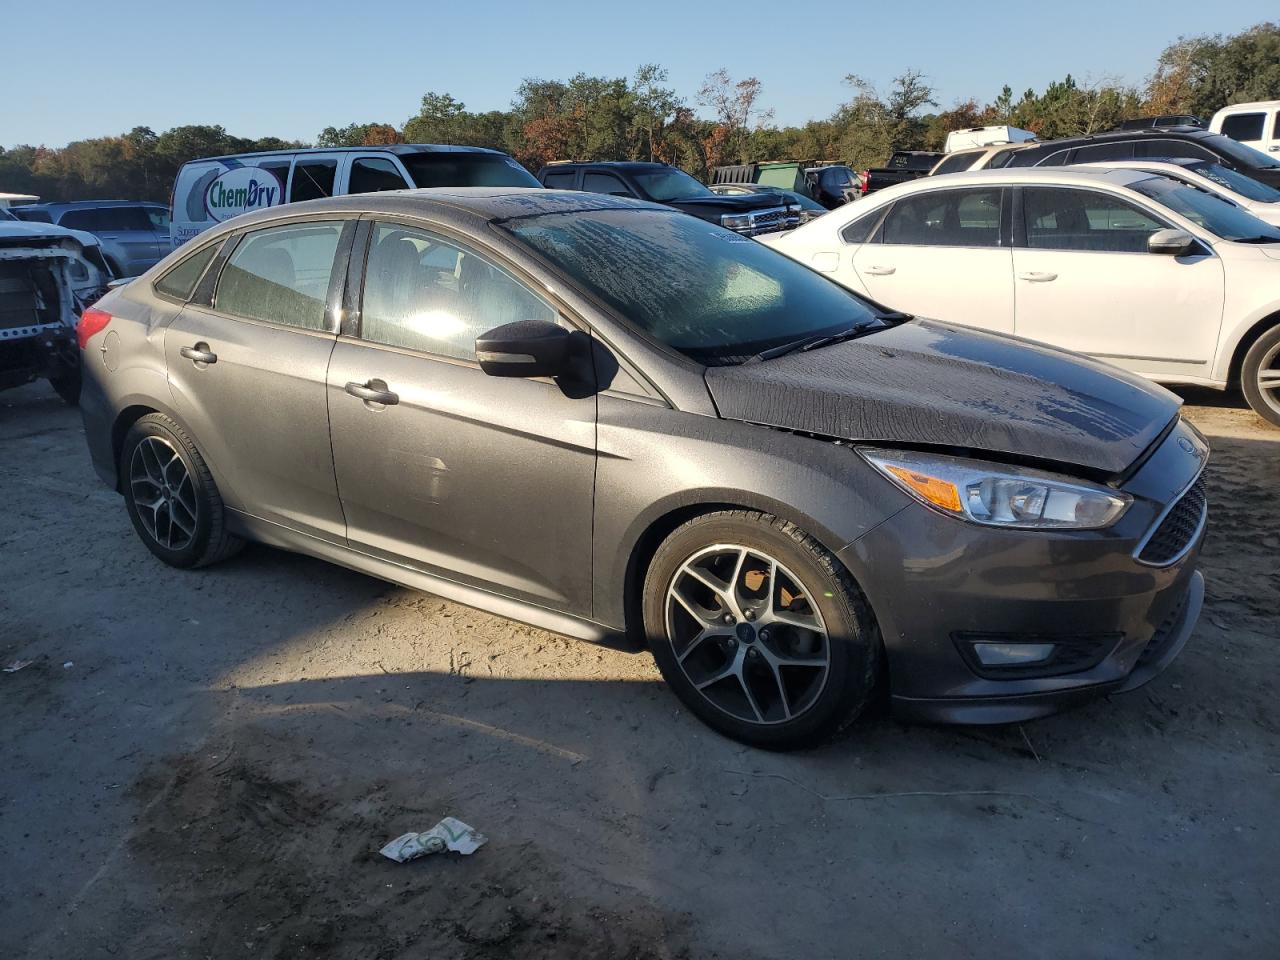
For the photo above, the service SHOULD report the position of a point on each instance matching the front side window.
(1067, 219)
(1207, 210)
(946, 218)
(710, 294)
(281, 275)
(422, 292)
(1244, 126)
(373, 175)
(180, 282)
(1172, 148)
(604, 183)
(159, 217)
(312, 179)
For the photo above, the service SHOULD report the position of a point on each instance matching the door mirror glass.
(525, 348)
(1172, 243)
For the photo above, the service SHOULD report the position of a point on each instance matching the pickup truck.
(903, 165)
(749, 215)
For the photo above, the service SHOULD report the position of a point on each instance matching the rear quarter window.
(179, 283)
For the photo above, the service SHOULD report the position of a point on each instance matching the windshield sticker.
(730, 237)
(240, 190)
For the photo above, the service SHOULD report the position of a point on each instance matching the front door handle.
(375, 391)
(881, 271)
(1037, 276)
(200, 353)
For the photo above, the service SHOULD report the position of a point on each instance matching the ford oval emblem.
(1186, 445)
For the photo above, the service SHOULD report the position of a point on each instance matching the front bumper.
(936, 582)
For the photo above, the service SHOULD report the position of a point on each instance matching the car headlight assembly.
(999, 495)
(736, 221)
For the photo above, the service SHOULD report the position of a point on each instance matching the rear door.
(944, 254)
(373, 173)
(158, 217)
(1085, 281)
(247, 373)
(483, 480)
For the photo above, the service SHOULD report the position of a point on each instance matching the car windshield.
(667, 185)
(6, 215)
(1241, 153)
(466, 170)
(1220, 217)
(1236, 182)
(715, 296)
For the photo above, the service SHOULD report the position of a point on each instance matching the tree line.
(642, 117)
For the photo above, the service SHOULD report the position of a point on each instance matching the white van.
(208, 191)
(986, 137)
(1254, 124)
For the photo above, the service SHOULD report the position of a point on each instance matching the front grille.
(774, 219)
(1178, 530)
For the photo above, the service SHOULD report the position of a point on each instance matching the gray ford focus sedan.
(604, 417)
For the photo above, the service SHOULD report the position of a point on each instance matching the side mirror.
(1172, 243)
(526, 348)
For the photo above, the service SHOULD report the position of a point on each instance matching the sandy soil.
(204, 766)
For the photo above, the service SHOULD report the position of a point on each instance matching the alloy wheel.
(747, 634)
(163, 493)
(1269, 378)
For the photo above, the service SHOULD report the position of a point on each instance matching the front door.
(247, 376)
(483, 480)
(1085, 281)
(942, 254)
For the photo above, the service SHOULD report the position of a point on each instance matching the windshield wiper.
(815, 341)
(1257, 239)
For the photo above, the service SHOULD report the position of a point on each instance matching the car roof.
(1092, 175)
(1183, 131)
(612, 164)
(396, 148)
(477, 204)
(90, 204)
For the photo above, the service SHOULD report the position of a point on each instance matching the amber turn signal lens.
(938, 492)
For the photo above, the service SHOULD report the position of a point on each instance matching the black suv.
(1148, 143)
(662, 183)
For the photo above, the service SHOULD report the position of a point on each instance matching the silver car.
(134, 234)
(608, 418)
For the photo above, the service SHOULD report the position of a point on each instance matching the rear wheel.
(759, 630)
(1260, 376)
(171, 497)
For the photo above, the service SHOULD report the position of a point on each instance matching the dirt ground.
(203, 765)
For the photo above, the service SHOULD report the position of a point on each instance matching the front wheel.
(1260, 376)
(759, 630)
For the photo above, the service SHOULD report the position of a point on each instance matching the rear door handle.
(375, 391)
(1037, 276)
(881, 271)
(200, 353)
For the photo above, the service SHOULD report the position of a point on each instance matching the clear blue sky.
(74, 69)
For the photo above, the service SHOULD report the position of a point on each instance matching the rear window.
(180, 282)
(466, 170)
(36, 216)
(956, 163)
(1244, 126)
(313, 179)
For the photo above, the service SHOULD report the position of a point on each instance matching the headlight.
(79, 270)
(997, 495)
(736, 221)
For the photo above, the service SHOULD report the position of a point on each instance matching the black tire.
(1263, 355)
(853, 646)
(207, 541)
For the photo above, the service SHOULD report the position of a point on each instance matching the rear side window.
(559, 181)
(1096, 152)
(1244, 126)
(1064, 219)
(946, 218)
(449, 169)
(604, 183)
(424, 293)
(281, 275)
(108, 219)
(1172, 148)
(180, 282)
(956, 163)
(159, 217)
(860, 230)
(374, 174)
(312, 179)
(37, 216)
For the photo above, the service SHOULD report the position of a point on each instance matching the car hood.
(715, 201)
(929, 383)
(13, 231)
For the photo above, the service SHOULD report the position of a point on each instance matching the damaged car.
(48, 275)
(607, 418)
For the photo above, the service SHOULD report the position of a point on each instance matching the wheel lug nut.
(728, 618)
(764, 634)
(749, 614)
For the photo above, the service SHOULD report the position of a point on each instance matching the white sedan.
(1257, 198)
(1136, 269)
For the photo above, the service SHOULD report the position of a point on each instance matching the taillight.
(91, 321)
